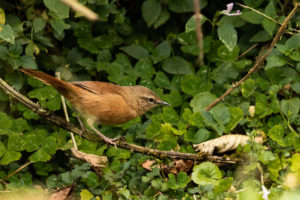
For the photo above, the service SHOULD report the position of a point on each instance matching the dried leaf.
(97, 162)
(61, 194)
(174, 167)
(224, 143)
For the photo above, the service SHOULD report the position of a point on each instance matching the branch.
(199, 32)
(59, 121)
(259, 61)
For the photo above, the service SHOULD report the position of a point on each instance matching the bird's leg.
(106, 139)
(83, 129)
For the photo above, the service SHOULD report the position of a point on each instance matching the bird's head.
(145, 99)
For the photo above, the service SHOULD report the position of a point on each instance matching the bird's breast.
(106, 109)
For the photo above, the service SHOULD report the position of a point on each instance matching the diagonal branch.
(259, 61)
(59, 121)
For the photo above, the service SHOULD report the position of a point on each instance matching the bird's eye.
(151, 100)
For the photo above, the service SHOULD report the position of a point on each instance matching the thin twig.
(16, 171)
(247, 51)
(266, 16)
(199, 31)
(63, 102)
(85, 11)
(59, 121)
(259, 60)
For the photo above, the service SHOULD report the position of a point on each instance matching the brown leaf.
(63, 194)
(224, 143)
(97, 162)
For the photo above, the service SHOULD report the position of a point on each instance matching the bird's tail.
(64, 88)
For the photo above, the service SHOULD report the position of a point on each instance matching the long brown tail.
(64, 88)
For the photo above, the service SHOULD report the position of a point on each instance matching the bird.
(102, 103)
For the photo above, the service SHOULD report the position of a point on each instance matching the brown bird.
(101, 103)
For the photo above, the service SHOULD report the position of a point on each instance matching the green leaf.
(290, 108)
(161, 52)
(9, 157)
(136, 51)
(59, 25)
(163, 18)
(15, 143)
(161, 80)
(221, 113)
(275, 61)
(228, 35)
(2, 149)
(7, 33)
(170, 115)
(177, 65)
(236, 115)
(206, 173)
(174, 98)
(38, 24)
(201, 135)
(252, 17)
(31, 142)
(86, 195)
(293, 42)
(276, 134)
(4, 53)
(151, 10)
(261, 36)
(144, 69)
(201, 101)
(88, 44)
(28, 62)
(181, 182)
(191, 84)
(248, 87)
(39, 155)
(191, 23)
(269, 26)
(58, 7)
(296, 87)
(224, 72)
(5, 122)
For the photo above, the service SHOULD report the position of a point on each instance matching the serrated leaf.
(39, 156)
(236, 115)
(261, 36)
(7, 33)
(206, 173)
(161, 80)
(151, 10)
(248, 87)
(58, 7)
(161, 52)
(276, 134)
(201, 101)
(221, 113)
(228, 35)
(2, 149)
(28, 62)
(290, 108)
(88, 44)
(38, 24)
(9, 157)
(180, 181)
(5, 122)
(144, 69)
(59, 25)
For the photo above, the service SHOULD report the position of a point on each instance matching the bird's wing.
(99, 88)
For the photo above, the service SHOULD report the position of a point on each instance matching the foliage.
(154, 43)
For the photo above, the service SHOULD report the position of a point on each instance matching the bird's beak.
(163, 103)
